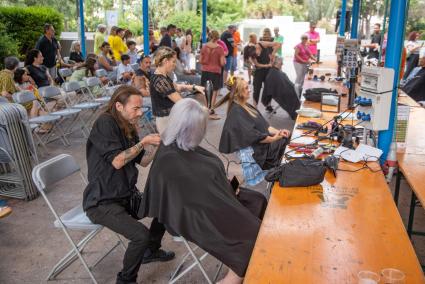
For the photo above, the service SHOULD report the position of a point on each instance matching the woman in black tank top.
(265, 51)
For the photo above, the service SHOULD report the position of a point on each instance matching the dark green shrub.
(25, 24)
(8, 46)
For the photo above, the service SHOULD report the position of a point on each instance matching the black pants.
(260, 75)
(115, 217)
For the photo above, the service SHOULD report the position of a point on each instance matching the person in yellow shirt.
(99, 38)
(117, 44)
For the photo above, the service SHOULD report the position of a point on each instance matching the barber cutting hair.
(113, 149)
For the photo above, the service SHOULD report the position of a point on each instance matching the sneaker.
(5, 211)
(159, 255)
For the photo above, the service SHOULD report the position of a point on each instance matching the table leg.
(397, 187)
(411, 214)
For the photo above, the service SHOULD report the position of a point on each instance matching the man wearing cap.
(99, 38)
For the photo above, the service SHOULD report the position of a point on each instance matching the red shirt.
(304, 52)
(210, 59)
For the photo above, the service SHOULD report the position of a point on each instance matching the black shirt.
(415, 86)
(141, 73)
(165, 40)
(48, 49)
(264, 57)
(375, 38)
(160, 88)
(106, 183)
(39, 75)
(227, 38)
(76, 57)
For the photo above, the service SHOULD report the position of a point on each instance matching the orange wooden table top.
(411, 160)
(330, 232)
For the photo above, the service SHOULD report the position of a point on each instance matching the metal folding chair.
(24, 97)
(65, 73)
(44, 176)
(197, 262)
(93, 82)
(135, 66)
(83, 103)
(67, 113)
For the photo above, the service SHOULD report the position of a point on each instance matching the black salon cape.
(415, 87)
(189, 193)
(282, 90)
(243, 130)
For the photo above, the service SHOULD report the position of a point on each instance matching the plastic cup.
(368, 277)
(392, 276)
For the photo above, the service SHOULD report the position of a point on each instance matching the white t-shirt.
(122, 69)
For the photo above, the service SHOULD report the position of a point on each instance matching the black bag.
(298, 173)
(315, 94)
(136, 199)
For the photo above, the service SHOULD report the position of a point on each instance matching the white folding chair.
(196, 262)
(83, 103)
(66, 113)
(65, 73)
(93, 82)
(44, 176)
(24, 97)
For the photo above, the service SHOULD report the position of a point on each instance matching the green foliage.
(8, 46)
(270, 8)
(416, 19)
(186, 20)
(25, 25)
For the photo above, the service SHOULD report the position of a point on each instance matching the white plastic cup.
(392, 276)
(368, 277)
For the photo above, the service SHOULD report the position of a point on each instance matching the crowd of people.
(227, 219)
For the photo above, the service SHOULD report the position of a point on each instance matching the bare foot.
(231, 278)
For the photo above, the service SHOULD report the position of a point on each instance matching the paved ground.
(30, 245)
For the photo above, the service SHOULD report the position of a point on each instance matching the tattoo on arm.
(127, 155)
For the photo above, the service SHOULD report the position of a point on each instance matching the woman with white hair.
(188, 191)
(75, 52)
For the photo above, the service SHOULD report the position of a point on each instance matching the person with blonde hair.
(212, 61)
(164, 92)
(246, 127)
(188, 191)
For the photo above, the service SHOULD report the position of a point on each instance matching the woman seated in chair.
(188, 191)
(246, 127)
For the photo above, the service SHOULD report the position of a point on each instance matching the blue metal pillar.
(82, 30)
(355, 18)
(204, 21)
(146, 27)
(392, 60)
(342, 19)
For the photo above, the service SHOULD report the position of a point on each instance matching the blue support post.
(392, 60)
(355, 19)
(204, 21)
(342, 19)
(82, 30)
(146, 27)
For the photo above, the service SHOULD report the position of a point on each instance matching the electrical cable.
(228, 161)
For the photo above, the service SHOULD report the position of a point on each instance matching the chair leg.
(197, 261)
(218, 272)
(71, 256)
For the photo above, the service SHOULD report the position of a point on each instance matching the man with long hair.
(113, 149)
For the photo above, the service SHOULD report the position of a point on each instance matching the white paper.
(369, 153)
(348, 154)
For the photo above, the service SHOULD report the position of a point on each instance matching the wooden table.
(411, 160)
(330, 232)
